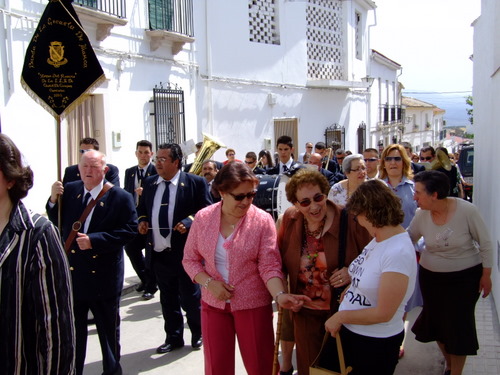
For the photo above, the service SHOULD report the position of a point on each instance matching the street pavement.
(142, 332)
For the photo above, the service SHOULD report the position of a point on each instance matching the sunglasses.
(240, 197)
(250, 162)
(307, 202)
(393, 158)
(427, 158)
(370, 160)
(358, 169)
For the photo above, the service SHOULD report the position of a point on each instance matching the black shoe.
(140, 287)
(289, 372)
(168, 347)
(196, 342)
(148, 296)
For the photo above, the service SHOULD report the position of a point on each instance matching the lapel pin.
(182, 183)
(78, 196)
(101, 204)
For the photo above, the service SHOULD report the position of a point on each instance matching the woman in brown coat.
(308, 239)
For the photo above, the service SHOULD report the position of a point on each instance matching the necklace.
(317, 232)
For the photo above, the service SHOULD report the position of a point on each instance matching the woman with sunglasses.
(232, 252)
(355, 170)
(383, 277)
(308, 239)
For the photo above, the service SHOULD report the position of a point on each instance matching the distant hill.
(452, 103)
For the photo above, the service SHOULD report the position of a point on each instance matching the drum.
(271, 195)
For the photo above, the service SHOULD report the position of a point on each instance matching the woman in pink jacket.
(232, 252)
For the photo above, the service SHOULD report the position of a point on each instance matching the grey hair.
(346, 164)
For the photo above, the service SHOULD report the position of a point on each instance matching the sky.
(430, 39)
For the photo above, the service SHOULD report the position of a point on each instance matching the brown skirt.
(448, 311)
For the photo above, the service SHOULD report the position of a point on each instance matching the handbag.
(317, 368)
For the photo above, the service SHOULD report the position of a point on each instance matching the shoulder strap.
(77, 225)
(342, 237)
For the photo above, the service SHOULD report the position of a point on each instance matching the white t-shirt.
(396, 254)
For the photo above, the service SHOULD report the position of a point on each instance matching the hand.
(340, 278)
(181, 228)
(292, 302)
(143, 227)
(138, 191)
(83, 241)
(333, 324)
(56, 190)
(485, 285)
(220, 290)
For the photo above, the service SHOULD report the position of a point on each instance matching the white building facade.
(243, 71)
(486, 91)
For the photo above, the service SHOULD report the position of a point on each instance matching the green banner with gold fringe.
(60, 66)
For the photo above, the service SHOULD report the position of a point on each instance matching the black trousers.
(176, 291)
(134, 252)
(106, 313)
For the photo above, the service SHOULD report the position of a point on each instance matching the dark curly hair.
(231, 175)
(11, 165)
(305, 176)
(375, 200)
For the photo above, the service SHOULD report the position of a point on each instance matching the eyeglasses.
(340, 158)
(230, 154)
(84, 151)
(240, 197)
(370, 160)
(397, 159)
(307, 202)
(359, 169)
(160, 160)
(309, 147)
(426, 158)
(249, 162)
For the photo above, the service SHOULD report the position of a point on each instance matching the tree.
(469, 102)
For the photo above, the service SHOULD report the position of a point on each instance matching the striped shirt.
(36, 303)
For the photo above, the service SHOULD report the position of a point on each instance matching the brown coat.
(290, 242)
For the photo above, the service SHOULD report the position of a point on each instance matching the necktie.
(285, 168)
(140, 175)
(163, 218)
(85, 201)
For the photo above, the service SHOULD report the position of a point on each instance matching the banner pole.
(59, 171)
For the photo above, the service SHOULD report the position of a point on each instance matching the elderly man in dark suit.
(133, 184)
(95, 252)
(72, 173)
(317, 160)
(166, 210)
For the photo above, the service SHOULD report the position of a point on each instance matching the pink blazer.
(253, 256)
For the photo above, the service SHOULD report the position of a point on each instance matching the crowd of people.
(341, 260)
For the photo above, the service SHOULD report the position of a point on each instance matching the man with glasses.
(427, 154)
(166, 210)
(251, 161)
(372, 161)
(72, 173)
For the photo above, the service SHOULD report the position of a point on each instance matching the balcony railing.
(172, 15)
(391, 114)
(112, 7)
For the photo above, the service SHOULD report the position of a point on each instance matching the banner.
(60, 66)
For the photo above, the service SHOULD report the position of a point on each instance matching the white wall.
(486, 91)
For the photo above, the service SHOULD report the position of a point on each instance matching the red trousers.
(254, 330)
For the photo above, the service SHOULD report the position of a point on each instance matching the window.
(171, 15)
(263, 21)
(335, 136)
(286, 126)
(358, 36)
(169, 121)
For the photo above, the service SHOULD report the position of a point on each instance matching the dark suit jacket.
(276, 168)
(333, 167)
(72, 173)
(258, 170)
(417, 168)
(192, 196)
(130, 177)
(97, 272)
(329, 176)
